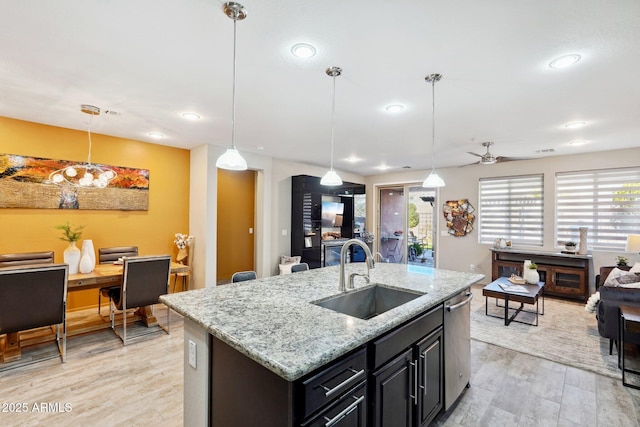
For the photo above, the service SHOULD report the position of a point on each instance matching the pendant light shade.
(433, 180)
(232, 159)
(331, 178)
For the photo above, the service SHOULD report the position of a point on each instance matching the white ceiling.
(151, 60)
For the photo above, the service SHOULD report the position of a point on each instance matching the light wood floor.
(106, 384)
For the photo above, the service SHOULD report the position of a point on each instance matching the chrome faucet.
(369, 261)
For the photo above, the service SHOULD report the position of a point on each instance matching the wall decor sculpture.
(459, 216)
(24, 183)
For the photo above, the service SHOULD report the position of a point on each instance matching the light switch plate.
(192, 354)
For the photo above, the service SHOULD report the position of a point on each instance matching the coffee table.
(532, 296)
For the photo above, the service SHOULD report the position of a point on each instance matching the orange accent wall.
(236, 214)
(25, 230)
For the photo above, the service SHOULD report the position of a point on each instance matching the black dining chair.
(303, 266)
(242, 276)
(145, 279)
(26, 258)
(108, 256)
(34, 296)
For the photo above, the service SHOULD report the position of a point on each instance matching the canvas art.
(25, 183)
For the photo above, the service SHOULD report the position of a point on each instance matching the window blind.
(511, 208)
(606, 201)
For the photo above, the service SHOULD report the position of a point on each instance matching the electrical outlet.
(192, 354)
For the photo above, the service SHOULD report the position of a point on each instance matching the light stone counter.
(274, 322)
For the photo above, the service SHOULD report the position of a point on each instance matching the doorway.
(235, 224)
(406, 225)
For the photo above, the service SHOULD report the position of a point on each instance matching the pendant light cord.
(89, 133)
(333, 118)
(433, 125)
(233, 93)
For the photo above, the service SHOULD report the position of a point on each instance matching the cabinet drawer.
(394, 342)
(333, 381)
(348, 411)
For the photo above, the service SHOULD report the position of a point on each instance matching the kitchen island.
(272, 329)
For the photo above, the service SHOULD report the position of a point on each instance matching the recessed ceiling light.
(565, 61)
(383, 167)
(260, 147)
(579, 142)
(353, 159)
(575, 125)
(303, 50)
(191, 116)
(394, 108)
(156, 135)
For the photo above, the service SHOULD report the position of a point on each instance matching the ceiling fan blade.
(474, 154)
(469, 164)
(501, 159)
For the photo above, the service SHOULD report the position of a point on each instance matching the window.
(605, 201)
(511, 208)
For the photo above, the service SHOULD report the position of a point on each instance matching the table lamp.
(633, 243)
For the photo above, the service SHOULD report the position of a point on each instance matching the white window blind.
(511, 208)
(605, 201)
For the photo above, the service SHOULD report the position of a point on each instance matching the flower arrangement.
(622, 261)
(70, 233)
(182, 240)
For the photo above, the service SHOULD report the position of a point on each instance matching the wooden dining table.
(103, 275)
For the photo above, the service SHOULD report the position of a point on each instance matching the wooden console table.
(565, 275)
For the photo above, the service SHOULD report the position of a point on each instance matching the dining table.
(104, 275)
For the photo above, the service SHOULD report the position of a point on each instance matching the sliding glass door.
(406, 225)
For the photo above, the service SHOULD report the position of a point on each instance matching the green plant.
(414, 218)
(622, 261)
(418, 247)
(533, 266)
(570, 243)
(70, 232)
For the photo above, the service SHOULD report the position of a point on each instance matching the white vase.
(525, 268)
(533, 277)
(72, 257)
(583, 241)
(88, 258)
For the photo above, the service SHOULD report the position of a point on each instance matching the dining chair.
(26, 258)
(34, 296)
(303, 266)
(184, 276)
(145, 279)
(241, 276)
(108, 256)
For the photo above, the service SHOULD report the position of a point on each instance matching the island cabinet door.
(430, 381)
(393, 404)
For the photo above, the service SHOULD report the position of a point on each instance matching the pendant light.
(84, 175)
(331, 178)
(433, 180)
(232, 159)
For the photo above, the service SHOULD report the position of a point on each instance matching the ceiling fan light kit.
(232, 159)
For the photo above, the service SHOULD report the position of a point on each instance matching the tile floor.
(509, 388)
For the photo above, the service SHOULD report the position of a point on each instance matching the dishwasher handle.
(469, 296)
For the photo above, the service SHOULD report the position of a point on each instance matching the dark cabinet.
(565, 275)
(307, 215)
(408, 390)
(348, 411)
(393, 405)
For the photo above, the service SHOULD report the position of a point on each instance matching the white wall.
(273, 205)
(458, 253)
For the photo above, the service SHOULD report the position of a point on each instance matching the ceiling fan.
(489, 159)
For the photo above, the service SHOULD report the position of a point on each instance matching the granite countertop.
(274, 322)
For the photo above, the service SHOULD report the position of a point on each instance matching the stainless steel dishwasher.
(457, 346)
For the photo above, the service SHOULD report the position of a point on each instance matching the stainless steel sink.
(368, 302)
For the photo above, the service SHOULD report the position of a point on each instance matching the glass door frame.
(405, 188)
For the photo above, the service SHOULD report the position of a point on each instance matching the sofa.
(607, 310)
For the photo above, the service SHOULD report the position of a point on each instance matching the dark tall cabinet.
(306, 215)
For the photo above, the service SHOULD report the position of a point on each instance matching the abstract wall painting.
(25, 183)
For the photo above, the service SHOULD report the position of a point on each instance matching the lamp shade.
(231, 160)
(633, 243)
(331, 178)
(433, 180)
